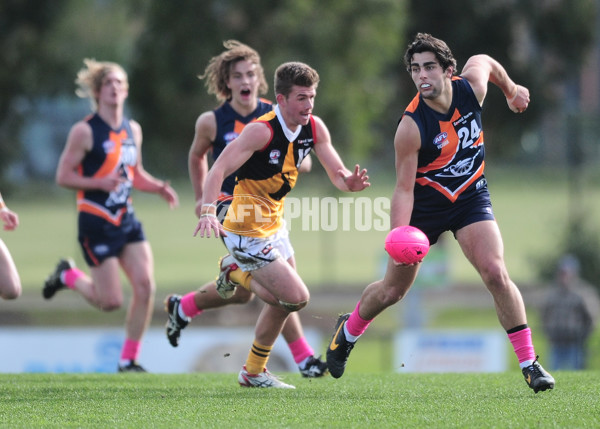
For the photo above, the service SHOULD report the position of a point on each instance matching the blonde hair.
(218, 70)
(89, 78)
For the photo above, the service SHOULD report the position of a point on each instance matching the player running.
(268, 154)
(237, 79)
(441, 186)
(102, 161)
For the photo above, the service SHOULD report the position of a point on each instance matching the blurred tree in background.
(28, 68)
(354, 47)
(357, 48)
(541, 44)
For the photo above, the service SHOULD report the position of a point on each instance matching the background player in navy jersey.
(441, 187)
(102, 161)
(10, 282)
(236, 77)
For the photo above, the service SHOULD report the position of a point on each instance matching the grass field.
(531, 207)
(354, 401)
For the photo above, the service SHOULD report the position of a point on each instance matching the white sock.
(350, 337)
(182, 314)
(526, 363)
(302, 364)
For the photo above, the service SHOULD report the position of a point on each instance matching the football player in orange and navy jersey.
(102, 161)
(10, 282)
(267, 156)
(441, 187)
(237, 79)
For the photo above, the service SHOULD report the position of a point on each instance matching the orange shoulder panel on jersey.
(412, 107)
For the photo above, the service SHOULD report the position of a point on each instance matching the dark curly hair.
(427, 43)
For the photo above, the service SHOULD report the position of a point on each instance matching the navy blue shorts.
(433, 222)
(100, 239)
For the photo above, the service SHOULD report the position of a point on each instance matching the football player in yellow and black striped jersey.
(236, 77)
(267, 155)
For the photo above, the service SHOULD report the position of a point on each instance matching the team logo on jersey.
(229, 137)
(441, 140)
(108, 146)
(274, 156)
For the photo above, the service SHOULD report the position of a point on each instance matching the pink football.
(407, 244)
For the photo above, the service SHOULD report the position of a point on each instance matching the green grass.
(355, 401)
(531, 207)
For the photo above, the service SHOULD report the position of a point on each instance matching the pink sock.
(188, 305)
(70, 276)
(131, 350)
(521, 341)
(356, 325)
(301, 349)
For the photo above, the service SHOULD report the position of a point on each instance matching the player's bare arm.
(407, 143)
(144, 181)
(254, 137)
(205, 133)
(481, 69)
(342, 178)
(79, 143)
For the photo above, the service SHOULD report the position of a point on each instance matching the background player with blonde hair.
(237, 79)
(102, 161)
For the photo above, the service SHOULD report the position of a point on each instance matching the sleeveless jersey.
(451, 158)
(229, 125)
(112, 150)
(266, 177)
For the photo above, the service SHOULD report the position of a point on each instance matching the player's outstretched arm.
(481, 69)
(204, 135)
(342, 178)
(146, 182)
